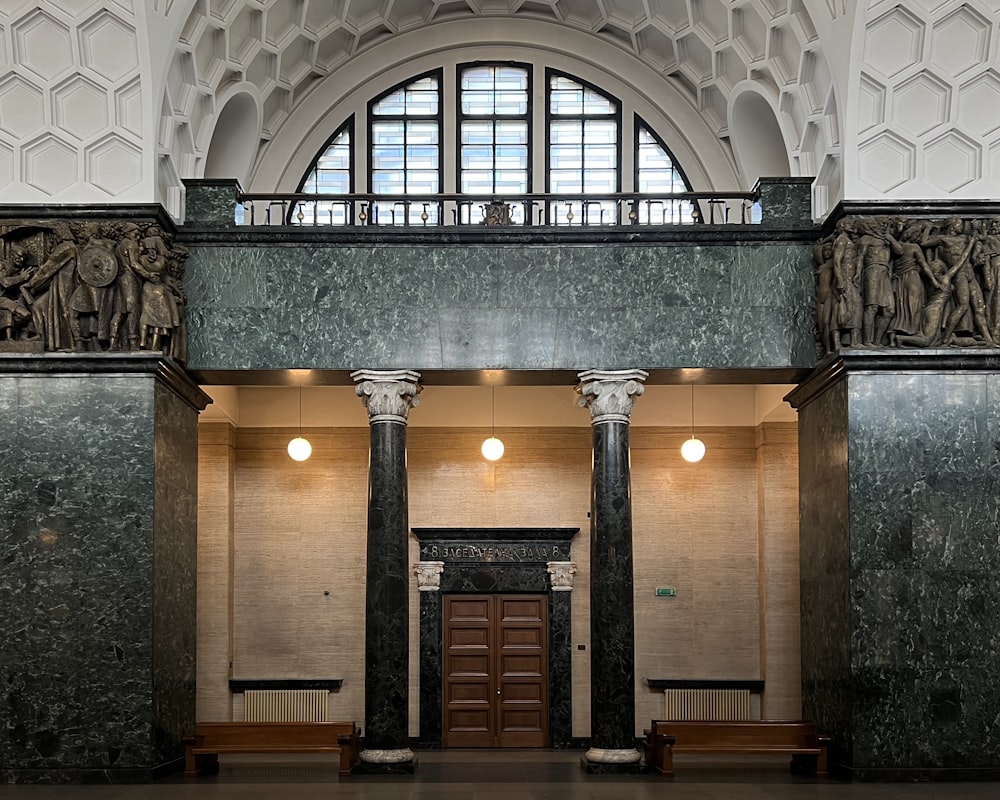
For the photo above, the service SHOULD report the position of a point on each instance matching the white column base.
(599, 755)
(400, 756)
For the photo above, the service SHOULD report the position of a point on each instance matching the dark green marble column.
(610, 394)
(388, 396)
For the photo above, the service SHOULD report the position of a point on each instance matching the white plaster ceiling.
(709, 50)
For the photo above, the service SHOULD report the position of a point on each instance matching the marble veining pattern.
(97, 590)
(387, 597)
(913, 505)
(612, 622)
(540, 307)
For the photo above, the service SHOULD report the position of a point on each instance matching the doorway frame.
(496, 561)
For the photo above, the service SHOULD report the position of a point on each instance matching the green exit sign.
(666, 591)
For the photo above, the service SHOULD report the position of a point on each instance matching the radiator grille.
(286, 705)
(727, 705)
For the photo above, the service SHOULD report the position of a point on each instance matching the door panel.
(495, 670)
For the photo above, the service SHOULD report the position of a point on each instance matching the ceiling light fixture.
(299, 448)
(493, 447)
(693, 449)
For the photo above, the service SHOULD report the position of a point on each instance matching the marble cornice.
(164, 368)
(908, 208)
(371, 236)
(494, 534)
(836, 365)
(42, 214)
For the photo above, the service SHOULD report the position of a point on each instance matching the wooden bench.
(201, 751)
(755, 737)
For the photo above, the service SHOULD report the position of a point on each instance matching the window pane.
(388, 132)
(477, 158)
(566, 132)
(510, 132)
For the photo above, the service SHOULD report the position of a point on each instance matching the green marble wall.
(262, 301)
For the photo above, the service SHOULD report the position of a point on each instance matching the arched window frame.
(679, 211)
(461, 117)
(581, 214)
(627, 123)
(413, 212)
(327, 206)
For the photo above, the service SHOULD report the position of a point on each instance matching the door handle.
(498, 692)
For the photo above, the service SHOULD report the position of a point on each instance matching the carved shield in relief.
(97, 265)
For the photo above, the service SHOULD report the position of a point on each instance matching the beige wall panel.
(779, 525)
(216, 461)
(300, 532)
(300, 560)
(695, 529)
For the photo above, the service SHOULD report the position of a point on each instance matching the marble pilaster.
(98, 501)
(388, 396)
(610, 395)
(899, 487)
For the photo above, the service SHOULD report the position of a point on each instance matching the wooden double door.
(496, 682)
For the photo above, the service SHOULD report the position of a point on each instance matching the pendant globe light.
(493, 447)
(299, 448)
(693, 450)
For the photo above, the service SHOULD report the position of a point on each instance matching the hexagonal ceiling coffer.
(749, 32)
(108, 46)
(113, 164)
(49, 164)
(80, 107)
(979, 104)
(871, 103)
(960, 41)
(952, 161)
(895, 41)
(42, 44)
(921, 104)
(6, 165)
(886, 161)
(21, 107)
(245, 34)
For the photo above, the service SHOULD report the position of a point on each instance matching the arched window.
(404, 129)
(502, 148)
(494, 132)
(332, 173)
(656, 173)
(584, 152)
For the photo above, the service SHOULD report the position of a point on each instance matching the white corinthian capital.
(387, 394)
(428, 575)
(561, 574)
(610, 393)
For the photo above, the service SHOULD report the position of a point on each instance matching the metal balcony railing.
(527, 210)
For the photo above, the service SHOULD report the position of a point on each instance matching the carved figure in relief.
(846, 270)
(826, 302)
(14, 315)
(50, 289)
(934, 311)
(967, 293)
(160, 319)
(986, 256)
(909, 268)
(874, 252)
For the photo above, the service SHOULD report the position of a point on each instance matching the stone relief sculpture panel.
(898, 282)
(101, 286)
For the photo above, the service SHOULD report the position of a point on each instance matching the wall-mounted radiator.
(706, 704)
(286, 705)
